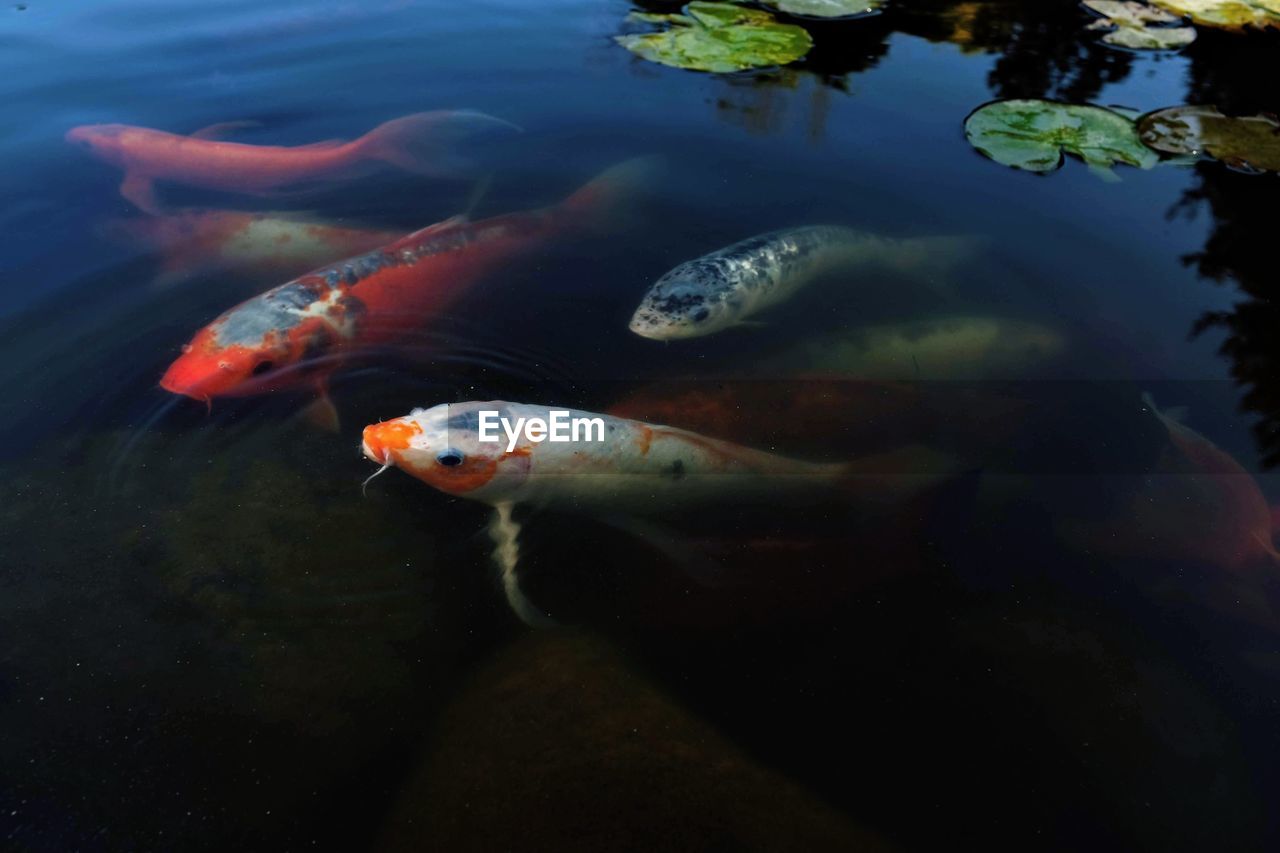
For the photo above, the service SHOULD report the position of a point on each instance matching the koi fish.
(1198, 504)
(296, 334)
(198, 242)
(723, 289)
(1196, 510)
(627, 468)
(424, 143)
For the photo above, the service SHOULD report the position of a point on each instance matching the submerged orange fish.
(1199, 504)
(425, 143)
(298, 333)
(196, 242)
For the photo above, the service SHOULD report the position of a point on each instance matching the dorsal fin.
(222, 128)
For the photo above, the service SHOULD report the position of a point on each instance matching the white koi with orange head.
(503, 454)
(614, 465)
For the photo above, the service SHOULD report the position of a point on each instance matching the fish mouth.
(648, 330)
(176, 385)
(197, 379)
(372, 455)
(180, 379)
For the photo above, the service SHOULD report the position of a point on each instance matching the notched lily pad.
(827, 9)
(1033, 135)
(1138, 26)
(1226, 14)
(718, 37)
(1248, 143)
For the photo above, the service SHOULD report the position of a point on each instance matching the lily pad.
(1138, 26)
(830, 9)
(718, 37)
(1033, 135)
(1226, 14)
(1248, 143)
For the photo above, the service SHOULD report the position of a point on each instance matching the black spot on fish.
(263, 367)
(677, 470)
(700, 314)
(680, 300)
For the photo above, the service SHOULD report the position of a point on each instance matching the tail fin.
(442, 143)
(932, 260)
(602, 202)
(895, 477)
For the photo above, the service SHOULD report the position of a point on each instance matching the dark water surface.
(210, 640)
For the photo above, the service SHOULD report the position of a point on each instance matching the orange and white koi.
(296, 334)
(427, 143)
(199, 242)
(631, 468)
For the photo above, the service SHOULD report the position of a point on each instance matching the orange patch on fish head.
(383, 441)
(446, 456)
(206, 370)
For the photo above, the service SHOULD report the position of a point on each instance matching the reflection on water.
(1039, 52)
(1064, 630)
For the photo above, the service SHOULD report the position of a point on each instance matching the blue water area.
(1008, 576)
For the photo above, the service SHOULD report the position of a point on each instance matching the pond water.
(1049, 619)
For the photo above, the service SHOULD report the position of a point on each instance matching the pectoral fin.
(140, 190)
(505, 532)
(221, 129)
(321, 412)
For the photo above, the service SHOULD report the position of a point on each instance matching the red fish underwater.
(1199, 504)
(296, 334)
(424, 143)
(199, 242)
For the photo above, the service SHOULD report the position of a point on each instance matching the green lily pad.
(1033, 135)
(825, 8)
(718, 37)
(1249, 143)
(1226, 14)
(1138, 26)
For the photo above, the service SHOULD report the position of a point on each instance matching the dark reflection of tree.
(1238, 73)
(1044, 52)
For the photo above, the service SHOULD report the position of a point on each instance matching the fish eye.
(700, 315)
(450, 458)
(263, 367)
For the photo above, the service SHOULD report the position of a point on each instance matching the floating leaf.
(1227, 14)
(826, 8)
(1249, 143)
(718, 37)
(1032, 135)
(1139, 26)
